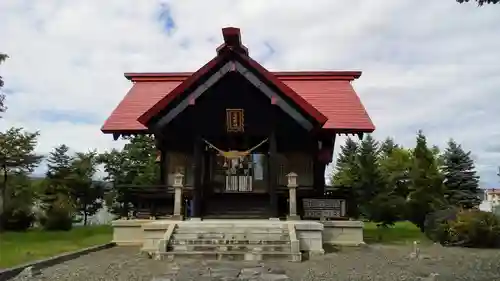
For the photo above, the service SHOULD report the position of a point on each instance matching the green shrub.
(436, 224)
(58, 215)
(56, 219)
(466, 228)
(474, 228)
(17, 219)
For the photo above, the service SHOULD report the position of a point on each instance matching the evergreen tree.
(426, 184)
(86, 192)
(58, 203)
(387, 146)
(58, 175)
(390, 202)
(346, 175)
(460, 179)
(395, 168)
(371, 182)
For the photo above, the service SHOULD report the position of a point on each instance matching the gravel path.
(367, 263)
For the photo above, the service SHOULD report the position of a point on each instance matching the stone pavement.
(372, 262)
(226, 271)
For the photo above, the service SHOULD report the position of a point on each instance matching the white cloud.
(427, 64)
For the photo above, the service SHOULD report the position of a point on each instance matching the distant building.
(491, 199)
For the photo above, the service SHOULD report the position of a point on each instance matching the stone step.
(225, 215)
(271, 248)
(232, 255)
(231, 236)
(240, 225)
(226, 207)
(228, 242)
(230, 230)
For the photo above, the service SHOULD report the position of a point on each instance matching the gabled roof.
(232, 46)
(327, 96)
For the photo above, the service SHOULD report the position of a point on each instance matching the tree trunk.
(85, 215)
(3, 196)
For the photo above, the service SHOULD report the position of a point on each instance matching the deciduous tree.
(18, 213)
(17, 156)
(480, 2)
(135, 164)
(3, 57)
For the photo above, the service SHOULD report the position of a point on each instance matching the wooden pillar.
(197, 170)
(206, 174)
(161, 146)
(272, 178)
(163, 167)
(319, 176)
(318, 169)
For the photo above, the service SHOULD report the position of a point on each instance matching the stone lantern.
(292, 191)
(292, 179)
(178, 185)
(178, 180)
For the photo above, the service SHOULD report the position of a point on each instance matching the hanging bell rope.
(234, 154)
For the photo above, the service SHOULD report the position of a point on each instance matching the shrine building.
(236, 138)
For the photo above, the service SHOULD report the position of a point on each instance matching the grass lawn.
(21, 247)
(400, 233)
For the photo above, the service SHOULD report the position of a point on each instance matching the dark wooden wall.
(207, 118)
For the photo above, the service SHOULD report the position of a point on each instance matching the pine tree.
(57, 176)
(371, 182)
(389, 203)
(59, 162)
(345, 176)
(57, 201)
(387, 146)
(460, 179)
(86, 193)
(426, 184)
(396, 169)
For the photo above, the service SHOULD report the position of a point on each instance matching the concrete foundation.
(344, 233)
(307, 236)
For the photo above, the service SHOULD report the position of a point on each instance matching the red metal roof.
(330, 92)
(326, 96)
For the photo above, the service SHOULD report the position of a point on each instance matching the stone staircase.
(236, 240)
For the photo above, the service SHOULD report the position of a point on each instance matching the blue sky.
(430, 65)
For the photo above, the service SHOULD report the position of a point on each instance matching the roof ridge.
(282, 75)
